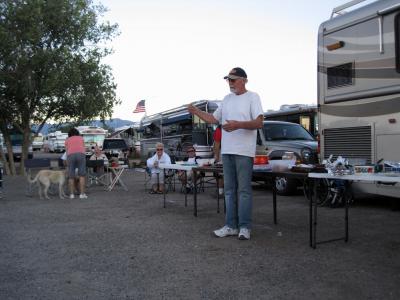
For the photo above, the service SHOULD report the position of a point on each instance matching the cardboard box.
(364, 169)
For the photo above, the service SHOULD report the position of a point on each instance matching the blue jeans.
(238, 171)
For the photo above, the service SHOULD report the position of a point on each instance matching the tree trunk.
(4, 160)
(11, 164)
(25, 146)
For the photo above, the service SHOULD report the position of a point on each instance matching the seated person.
(157, 175)
(187, 177)
(99, 155)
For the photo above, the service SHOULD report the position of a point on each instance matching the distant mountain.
(113, 123)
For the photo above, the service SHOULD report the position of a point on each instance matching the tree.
(50, 64)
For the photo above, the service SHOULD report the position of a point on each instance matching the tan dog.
(45, 178)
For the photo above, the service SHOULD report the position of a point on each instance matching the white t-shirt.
(191, 160)
(64, 156)
(245, 107)
(164, 159)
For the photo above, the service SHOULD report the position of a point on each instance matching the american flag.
(140, 107)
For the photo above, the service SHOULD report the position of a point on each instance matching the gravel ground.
(125, 245)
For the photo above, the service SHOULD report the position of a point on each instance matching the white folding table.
(180, 167)
(115, 176)
(348, 180)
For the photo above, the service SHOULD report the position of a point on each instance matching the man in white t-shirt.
(240, 115)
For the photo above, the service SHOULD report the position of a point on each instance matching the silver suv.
(278, 137)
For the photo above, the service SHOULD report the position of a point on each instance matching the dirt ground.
(125, 245)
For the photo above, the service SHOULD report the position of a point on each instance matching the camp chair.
(95, 172)
(189, 186)
(169, 179)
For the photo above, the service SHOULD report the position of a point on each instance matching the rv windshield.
(94, 138)
(38, 139)
(279, 131)
(16, 139)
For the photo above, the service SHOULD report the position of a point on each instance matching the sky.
(174, 52)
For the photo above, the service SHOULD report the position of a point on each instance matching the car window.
(114, 144)
(276, 132)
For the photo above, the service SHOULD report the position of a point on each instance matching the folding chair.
(95, 172)
(32, 164)
(191, 185)
(169, 180)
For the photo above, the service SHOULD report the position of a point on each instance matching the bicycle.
(331, 192)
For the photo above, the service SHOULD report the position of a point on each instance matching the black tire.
(285, 186)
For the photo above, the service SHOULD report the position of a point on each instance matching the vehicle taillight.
(261, 160)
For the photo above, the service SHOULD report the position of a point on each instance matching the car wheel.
(285, 186)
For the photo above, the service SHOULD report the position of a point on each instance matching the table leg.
(346, 214)
(117, 178)
(194, 194)
(314, 223)
(185, 189)
(217, 177)
(158, 184)
(120, 180)
(310, 220)
(274, 199)
(158, 180)
(112, 180)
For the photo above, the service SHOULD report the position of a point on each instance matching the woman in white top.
(157, 177)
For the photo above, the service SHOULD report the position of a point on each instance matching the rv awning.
(174, 119)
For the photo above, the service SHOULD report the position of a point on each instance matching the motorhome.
(37, 143)
(303, 114)
(132, 135)
(55, 142)
(16, 142)
(92, 136)
(358, 85)
(178, 130)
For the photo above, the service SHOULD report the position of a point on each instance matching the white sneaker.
(71, 196)
(225, 231)
(82, 196)
(244, 234)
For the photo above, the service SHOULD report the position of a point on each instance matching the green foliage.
(50, 62)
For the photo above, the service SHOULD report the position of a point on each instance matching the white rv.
(92, 136)
(55, 141)
(359, 85)
(37, 143)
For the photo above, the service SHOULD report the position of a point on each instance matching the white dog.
(47, 177)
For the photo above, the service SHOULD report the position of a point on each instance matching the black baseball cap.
(236, 73)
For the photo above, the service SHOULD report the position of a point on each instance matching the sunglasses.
(160, 149)
(231, 80)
